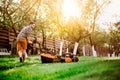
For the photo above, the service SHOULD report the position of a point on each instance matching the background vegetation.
(51, 21)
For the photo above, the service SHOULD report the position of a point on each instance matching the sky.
(111, 13)
(15, 0)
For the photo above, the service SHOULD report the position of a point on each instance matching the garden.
(87, 68)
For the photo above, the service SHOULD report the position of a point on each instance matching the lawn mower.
(47, 57)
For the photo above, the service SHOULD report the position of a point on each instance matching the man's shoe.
(21, 60)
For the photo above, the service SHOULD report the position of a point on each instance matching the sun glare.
(71, 9)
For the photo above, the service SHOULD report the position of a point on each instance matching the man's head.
(32, 24)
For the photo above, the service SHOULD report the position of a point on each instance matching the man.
(23, 39)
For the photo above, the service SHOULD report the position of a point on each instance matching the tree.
(115, 37)
(92, 10)
(15, 14)
(100, 38)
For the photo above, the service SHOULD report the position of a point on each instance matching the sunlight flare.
(71, 9)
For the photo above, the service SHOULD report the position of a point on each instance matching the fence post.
(61, 45)
(75, 48)
(83, 49)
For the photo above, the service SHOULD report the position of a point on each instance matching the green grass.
(88, 68)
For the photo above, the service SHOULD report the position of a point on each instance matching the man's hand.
(28, 39)
(30, 42)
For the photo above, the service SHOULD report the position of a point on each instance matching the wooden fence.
(7, 41)
(54, 44)
(101, 51)
(7, 37)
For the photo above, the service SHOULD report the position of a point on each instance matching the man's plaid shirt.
(25, 32)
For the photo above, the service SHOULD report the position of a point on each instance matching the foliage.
(76, 28)
(74, 31)
(114, 36)
(100, 38)
(16, 14)
(50, 19)
(92, 10)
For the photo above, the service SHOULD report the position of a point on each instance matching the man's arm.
(28, 40)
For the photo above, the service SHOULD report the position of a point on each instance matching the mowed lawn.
(88, 68)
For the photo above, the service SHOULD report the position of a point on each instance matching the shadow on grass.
(12, 61)
(6, 66)
(8, 56)
(110, 71)
(104, 75)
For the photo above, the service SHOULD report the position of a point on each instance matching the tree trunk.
(92, 45)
